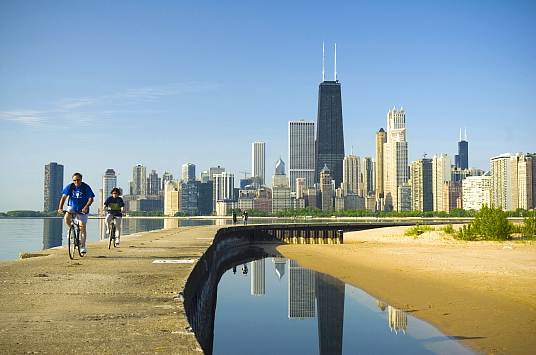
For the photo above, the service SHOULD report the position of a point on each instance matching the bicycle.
(74, 237)
(112, 230)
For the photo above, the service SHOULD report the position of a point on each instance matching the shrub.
(418, 229)
(528, 229)
(449, 229)
(492, 224)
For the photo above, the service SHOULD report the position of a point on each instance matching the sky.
(95, 85)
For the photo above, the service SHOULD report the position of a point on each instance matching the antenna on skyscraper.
(322, 60)
(335, 64)
(465, 139)
(460, 134)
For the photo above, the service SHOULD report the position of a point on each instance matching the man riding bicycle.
(115, 207)
(80, 198)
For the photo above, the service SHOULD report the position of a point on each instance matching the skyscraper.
(352, 183)
(301, 152)
(109, 181)
(258, 160)
(461, 160)
(53, 186)
(381, 139)
(421, 186)
(326, 189)
(329, 147)
(153, 183)
(139, 180)
(188, 172)
(395, 157)
(441, 173)
(501, 185)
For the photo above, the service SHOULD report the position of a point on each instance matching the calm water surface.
(276, 306)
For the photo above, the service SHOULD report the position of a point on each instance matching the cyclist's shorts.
(79, 215)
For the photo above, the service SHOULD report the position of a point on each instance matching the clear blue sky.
(110, 84)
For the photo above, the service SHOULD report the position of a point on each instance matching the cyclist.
(80, 198)
(115, 207)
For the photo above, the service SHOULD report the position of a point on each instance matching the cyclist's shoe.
(83, 250)
(117, 240)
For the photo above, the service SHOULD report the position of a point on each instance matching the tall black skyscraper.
(461, 160)
(329, 144)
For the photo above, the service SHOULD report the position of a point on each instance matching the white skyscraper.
(395, 155)
(258, 160)
(109, 181)
(501, 184)
(301, 152)
(476, 191)
(441, 173)
(188, 172)
(139, 180)
(224, 186)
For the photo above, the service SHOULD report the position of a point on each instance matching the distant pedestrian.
(245, 217)
(234, 217)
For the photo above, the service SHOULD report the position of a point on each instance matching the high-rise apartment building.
(381, 139)
(395, 157)
(215, 170)
(476, 191)
(329, 147)
(258, 160)
(165, 178)
(352, 183)
(522, 167)
(441, 173)
(53, 186)
(501, 184)
(326, 189)
(139, 180)
(153, 183)
(224, 186)
(421, 185)
(188, 172)
(369, 176)
(109, 181)
(301, 152)
(461, 159)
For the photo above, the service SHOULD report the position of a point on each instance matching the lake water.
(276, 306)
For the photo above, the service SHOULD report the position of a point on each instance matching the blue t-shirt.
(114, 205)
(77, 200)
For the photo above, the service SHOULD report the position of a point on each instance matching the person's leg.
(68, 218)
(118, 221)
(82, 234)
(108, 221)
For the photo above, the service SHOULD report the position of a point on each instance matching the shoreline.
(480, 293)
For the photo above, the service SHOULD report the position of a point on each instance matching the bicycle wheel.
(111, 236)
(72, 242)
(78, 242)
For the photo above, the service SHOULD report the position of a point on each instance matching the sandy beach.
(482, 293)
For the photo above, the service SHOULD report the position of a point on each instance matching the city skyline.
(163, 87)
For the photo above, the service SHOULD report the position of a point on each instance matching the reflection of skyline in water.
(371, 326)
(52, 232)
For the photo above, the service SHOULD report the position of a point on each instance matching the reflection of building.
(52, 232)
(279, 263)
(257, 277)
(330, 307)
(301, 292)
(136, 225)
(398, 320)
(53, 186)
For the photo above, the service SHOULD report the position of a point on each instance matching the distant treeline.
(28, 213)
(316, 212)
(291, 212)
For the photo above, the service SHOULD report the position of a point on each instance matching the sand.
(482, 293)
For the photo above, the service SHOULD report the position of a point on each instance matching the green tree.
(492, 224)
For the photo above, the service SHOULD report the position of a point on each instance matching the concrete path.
(115, 301)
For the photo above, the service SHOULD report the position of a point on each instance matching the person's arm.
(86, 207)
(62, 201)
